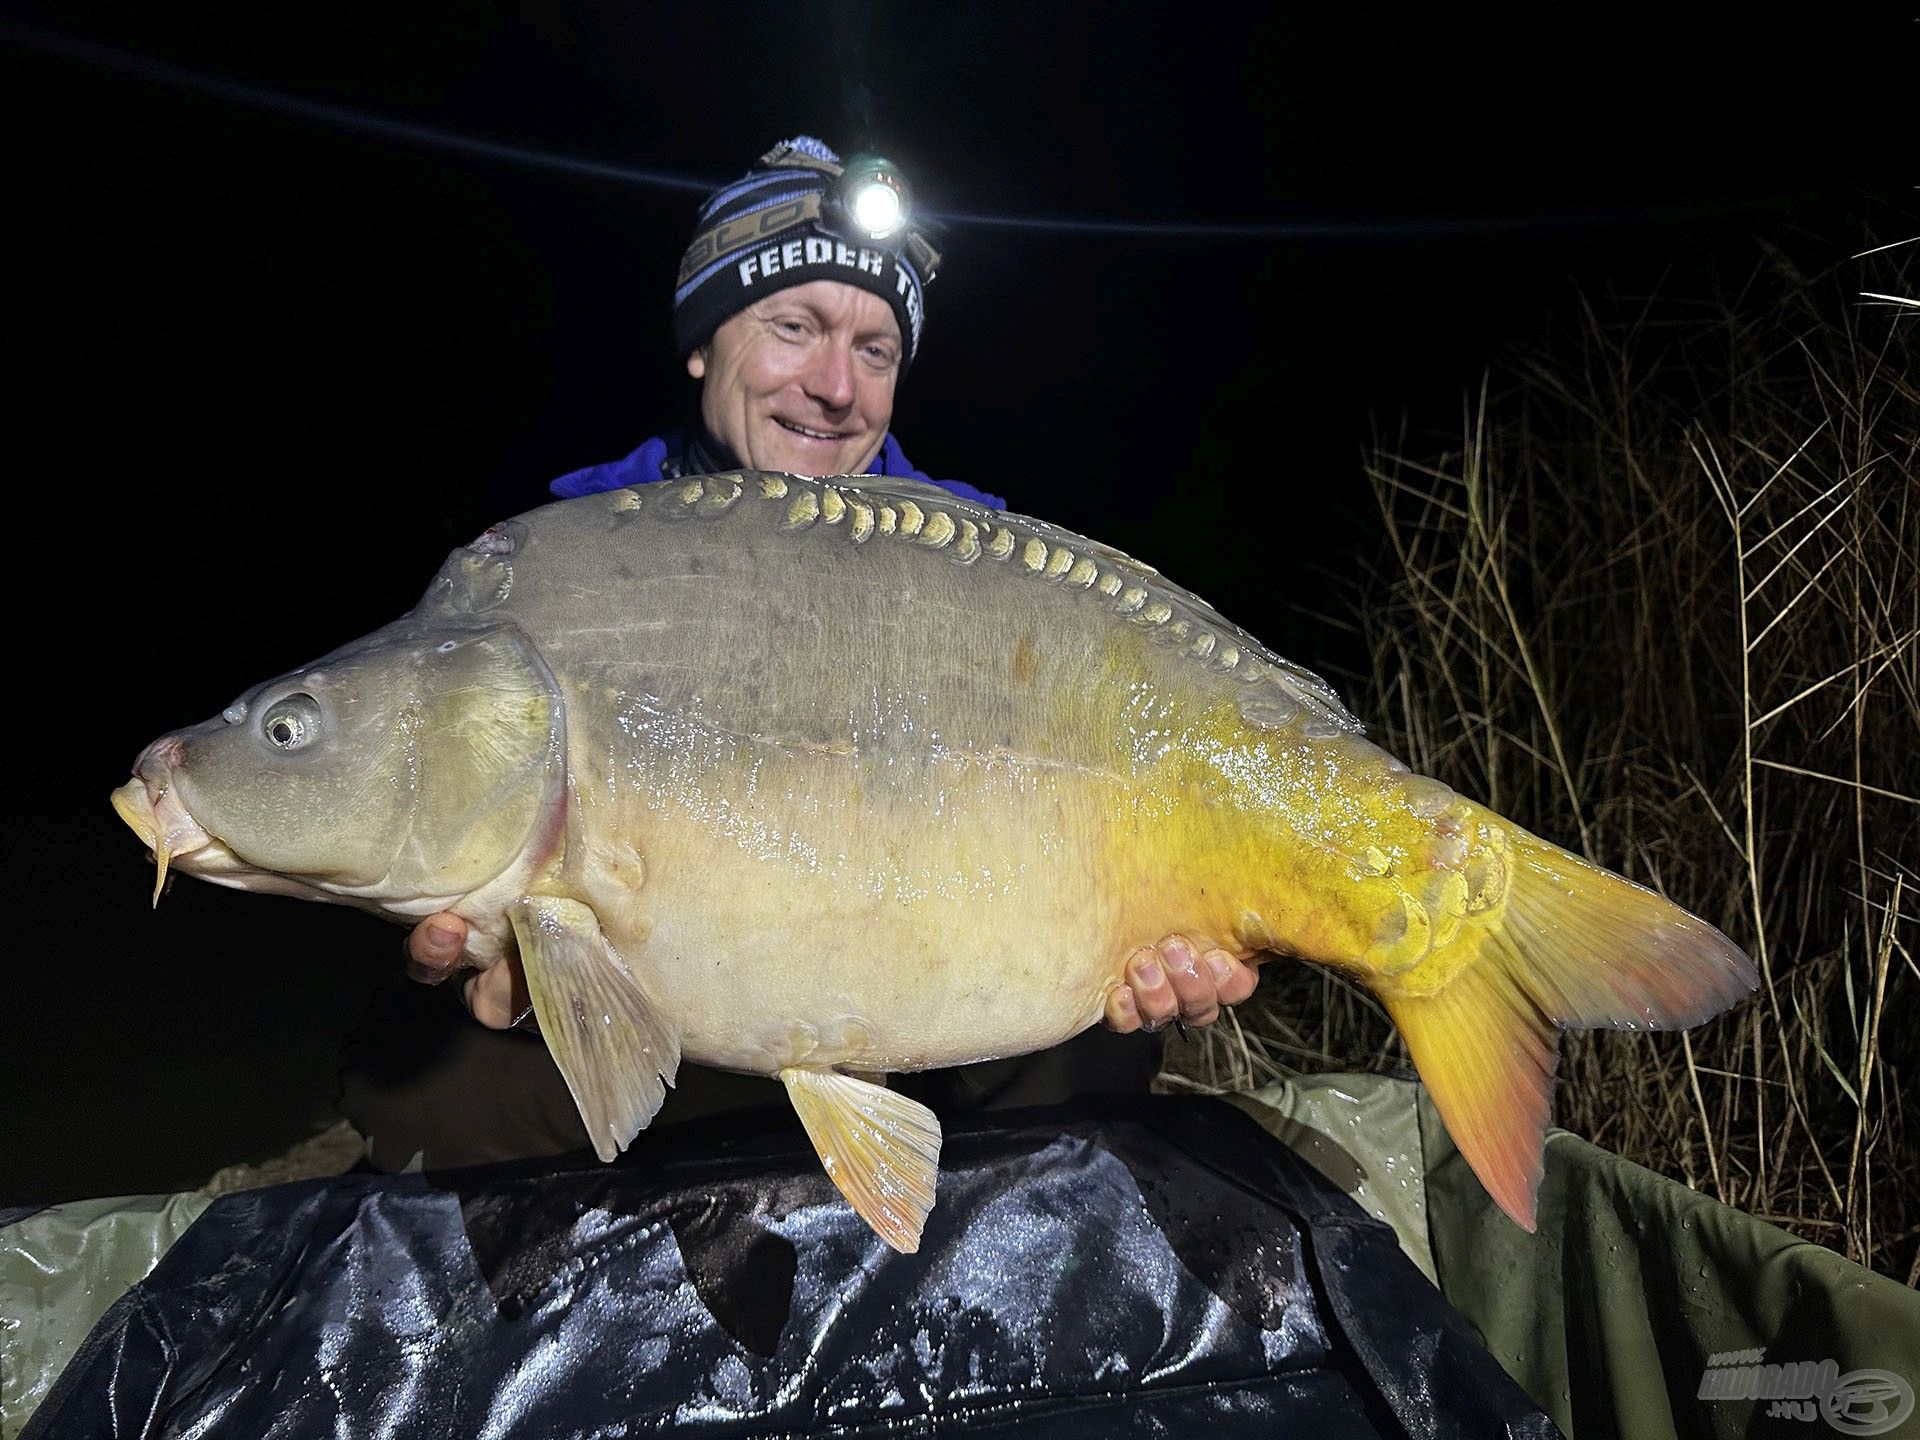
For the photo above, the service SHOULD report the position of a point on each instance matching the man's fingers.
(1234, 980)
(1185, 977)
(1193, 987)
(1153, 997)
(434, 948)
(490, 996)
(437, 947)
(497, 996)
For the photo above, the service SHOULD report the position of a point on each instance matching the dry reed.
(1659, 600)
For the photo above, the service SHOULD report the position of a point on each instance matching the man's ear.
(697, 363)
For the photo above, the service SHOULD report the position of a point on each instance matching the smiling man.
(797, 327)
(803, 380)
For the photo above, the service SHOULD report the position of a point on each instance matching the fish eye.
(291, 722)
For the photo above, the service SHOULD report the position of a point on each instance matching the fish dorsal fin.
(1274, 692)
(616, 1051)
(879, 1147)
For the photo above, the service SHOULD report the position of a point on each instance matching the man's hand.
(1183, 977)
(496, 996)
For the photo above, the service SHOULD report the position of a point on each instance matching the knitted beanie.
(781, 224)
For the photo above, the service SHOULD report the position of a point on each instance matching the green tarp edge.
(60, 1269)
(1363, 1133)
(1612, 1315)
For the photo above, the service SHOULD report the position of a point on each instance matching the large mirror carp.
(823, 780)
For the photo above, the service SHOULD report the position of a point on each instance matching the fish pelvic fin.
(616, 1051)
(1574, 946)
(881, 1148)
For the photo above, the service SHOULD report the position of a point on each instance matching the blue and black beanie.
(779, 225)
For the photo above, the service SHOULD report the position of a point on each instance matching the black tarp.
(1117, 1267)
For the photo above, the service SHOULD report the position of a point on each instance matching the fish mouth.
(151, 808)
(150, 805)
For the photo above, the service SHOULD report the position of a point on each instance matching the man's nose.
(829, 378)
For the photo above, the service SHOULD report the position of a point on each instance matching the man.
(796, 327)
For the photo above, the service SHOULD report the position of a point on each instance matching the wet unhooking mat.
(1147, 1267)
(1132, 1267)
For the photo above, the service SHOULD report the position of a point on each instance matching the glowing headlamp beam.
(874, 197)
(433, 137)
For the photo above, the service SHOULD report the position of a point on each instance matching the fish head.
(401, 772)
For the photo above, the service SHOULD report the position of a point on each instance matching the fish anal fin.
(615, 1050)
(879, 1147)
(1487, 1057)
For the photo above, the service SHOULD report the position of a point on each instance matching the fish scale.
(819, 779)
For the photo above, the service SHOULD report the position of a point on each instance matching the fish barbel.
(821, 779)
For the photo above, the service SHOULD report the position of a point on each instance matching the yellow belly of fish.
(984, 909)
(880, 946)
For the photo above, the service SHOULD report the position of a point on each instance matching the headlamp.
(873, 196)
(874, 202)
(868, 201)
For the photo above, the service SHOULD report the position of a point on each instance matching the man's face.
(802, 381)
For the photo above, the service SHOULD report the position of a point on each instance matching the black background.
(266, 366)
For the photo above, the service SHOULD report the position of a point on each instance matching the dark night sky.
(267, 368)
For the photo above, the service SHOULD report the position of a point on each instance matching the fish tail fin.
(1573, 946)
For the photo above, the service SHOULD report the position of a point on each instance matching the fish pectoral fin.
(879, 1147)
(616, 1051)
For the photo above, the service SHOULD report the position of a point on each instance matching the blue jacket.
(643, 467)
